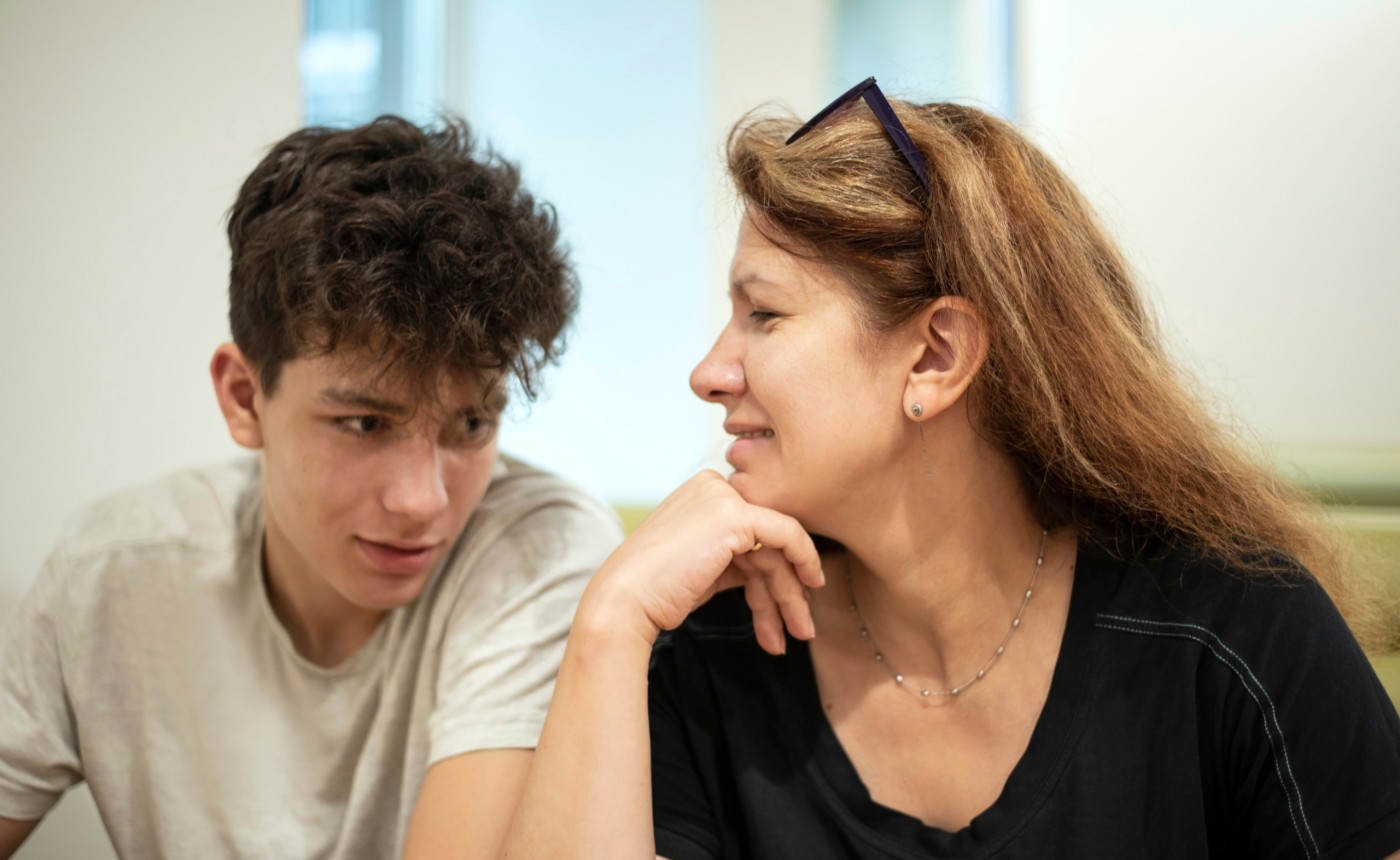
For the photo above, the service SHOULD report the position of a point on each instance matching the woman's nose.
(720, 374)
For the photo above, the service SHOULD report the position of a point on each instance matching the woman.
(1055, 612)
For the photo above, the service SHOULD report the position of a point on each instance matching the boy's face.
(366, 483)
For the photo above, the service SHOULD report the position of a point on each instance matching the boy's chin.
(386, 596)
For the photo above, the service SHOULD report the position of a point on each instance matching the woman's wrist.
(612, 621)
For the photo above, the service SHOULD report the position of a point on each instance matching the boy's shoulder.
(144, 546)
(199, 509)
(518, 489)
(530, 524)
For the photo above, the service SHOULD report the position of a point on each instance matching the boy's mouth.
(398, 559)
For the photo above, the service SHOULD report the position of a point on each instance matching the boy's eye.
(361, 425)
(475, 428)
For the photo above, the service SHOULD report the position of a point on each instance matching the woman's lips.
(400, 561)
(747, 442)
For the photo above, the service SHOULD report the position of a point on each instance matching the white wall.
(128, 126)
(1248, 156)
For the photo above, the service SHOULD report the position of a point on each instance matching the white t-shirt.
(147, 660)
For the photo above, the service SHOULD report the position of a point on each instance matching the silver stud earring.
(917, 410)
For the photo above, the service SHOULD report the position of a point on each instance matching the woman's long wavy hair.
(1076, 389)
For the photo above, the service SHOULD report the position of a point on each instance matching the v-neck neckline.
(1031, 781)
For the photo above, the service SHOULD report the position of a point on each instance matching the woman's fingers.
(778, 557)
(733, 577)
(784, 534)
(763, 580)
(704, 538)
(767, 618)
(784, 590)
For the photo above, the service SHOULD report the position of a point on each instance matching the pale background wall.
(1245, 153)
(1248, 155)
(129, 125)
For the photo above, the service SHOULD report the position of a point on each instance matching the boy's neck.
(325, 628)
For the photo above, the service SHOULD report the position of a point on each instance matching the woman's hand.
(588, 793)
(702, 539)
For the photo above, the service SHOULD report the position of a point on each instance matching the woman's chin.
(764, 494)
(745, 485)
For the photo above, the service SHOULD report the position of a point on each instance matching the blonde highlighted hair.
(1077, 389)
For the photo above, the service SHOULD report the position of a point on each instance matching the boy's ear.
(238, 389)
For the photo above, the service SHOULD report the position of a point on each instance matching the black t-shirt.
(1192, 714)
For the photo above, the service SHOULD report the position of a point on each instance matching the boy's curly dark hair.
(399, 242)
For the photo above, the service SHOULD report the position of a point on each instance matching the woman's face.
(815, 408)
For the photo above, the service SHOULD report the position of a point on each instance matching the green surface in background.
(1374, 534)
(1342, 474)
(632, 516)
(1388, 668)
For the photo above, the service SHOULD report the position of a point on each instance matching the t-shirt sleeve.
(682, 816)
(38, 736)
(1313, 753)
(507, 626)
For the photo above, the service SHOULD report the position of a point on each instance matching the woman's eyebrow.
(739, 287)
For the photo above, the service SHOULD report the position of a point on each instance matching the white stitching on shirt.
(1273, 711)
(1290, 786)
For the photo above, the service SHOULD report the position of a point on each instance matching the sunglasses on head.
(870, 91)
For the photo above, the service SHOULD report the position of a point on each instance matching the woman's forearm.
(589, 791)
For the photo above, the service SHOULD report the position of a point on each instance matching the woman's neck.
(941, 569)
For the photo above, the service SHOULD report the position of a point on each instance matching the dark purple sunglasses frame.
(870, 91)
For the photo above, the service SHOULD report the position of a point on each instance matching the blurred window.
(363, 58)
(930, 50)
(616, 138)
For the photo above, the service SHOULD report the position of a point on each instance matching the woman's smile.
(747, 441)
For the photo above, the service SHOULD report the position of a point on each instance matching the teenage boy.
(345, 647)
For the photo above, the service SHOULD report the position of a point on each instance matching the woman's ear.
(950, 349)
(237, 387)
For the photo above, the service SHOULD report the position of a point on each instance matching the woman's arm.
(589, 790)
(13, 833)
(465, 806)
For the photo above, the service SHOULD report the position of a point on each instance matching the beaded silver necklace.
(922, 693)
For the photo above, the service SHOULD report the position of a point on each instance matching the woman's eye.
(361, 425)
(761, 316)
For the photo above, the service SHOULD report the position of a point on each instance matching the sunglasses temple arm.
(895, 129)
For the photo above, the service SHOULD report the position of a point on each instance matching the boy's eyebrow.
(351, 397)
(495, 401)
